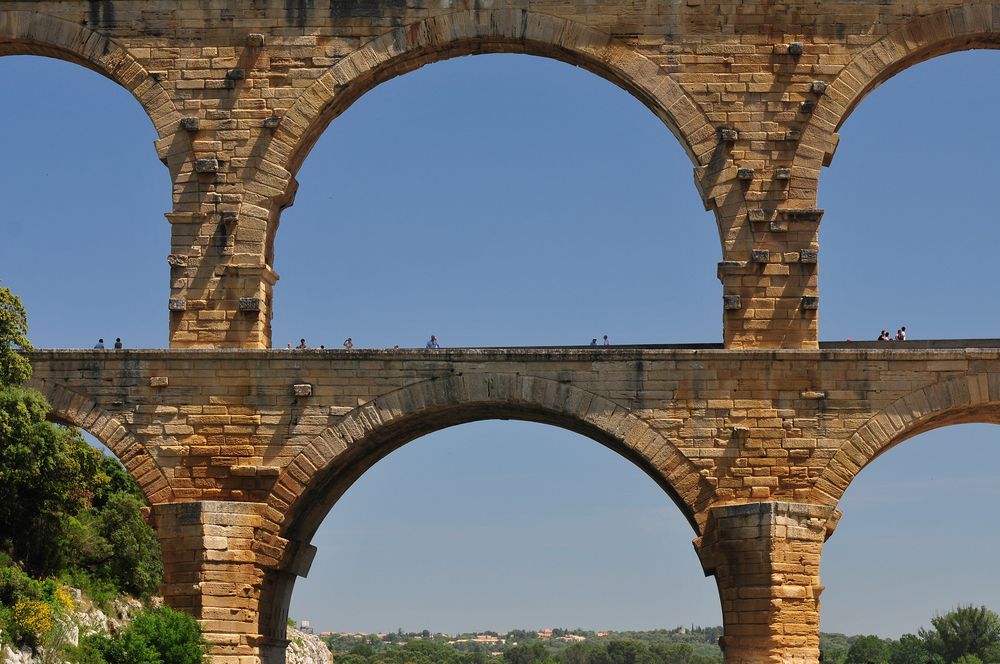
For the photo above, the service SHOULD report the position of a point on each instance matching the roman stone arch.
(325, 468)
(31, 33)
(974, 398)
(466, 33)
(970, 26)
(69, 407)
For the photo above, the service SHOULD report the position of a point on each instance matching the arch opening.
(334, 460)
(84, 198)
(902, 204)
(482, 31)
(34, 33)
(954, 45)
(918, 532)
(543, 191)
(476, 485)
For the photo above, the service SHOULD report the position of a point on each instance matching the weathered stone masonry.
(240, 91)
(243, 452)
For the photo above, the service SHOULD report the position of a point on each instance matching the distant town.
(681, 645)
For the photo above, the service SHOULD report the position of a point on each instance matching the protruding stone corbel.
(808, 256)
(249, 304)
(207, 165)
(728, 135)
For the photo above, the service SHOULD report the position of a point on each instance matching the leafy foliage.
(14, 367)
(868, 650)
(155, 636)
(968, 630)
(65, 509)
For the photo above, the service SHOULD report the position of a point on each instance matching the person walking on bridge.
(433, 343)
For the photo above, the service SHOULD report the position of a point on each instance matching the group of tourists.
(900, 335)
(349, 344)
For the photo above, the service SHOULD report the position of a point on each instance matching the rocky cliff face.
(306, 649)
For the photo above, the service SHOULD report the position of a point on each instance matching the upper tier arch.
(30, 33)
(468, 33)
(971, 26)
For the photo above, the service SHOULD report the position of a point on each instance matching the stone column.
(211, 572)
(220, 290)
(765, 558)
(769, 249)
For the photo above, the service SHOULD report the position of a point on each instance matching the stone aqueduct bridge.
(242, 451)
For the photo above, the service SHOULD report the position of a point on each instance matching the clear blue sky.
(507, 200)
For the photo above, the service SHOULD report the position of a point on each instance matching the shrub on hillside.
(155, 636)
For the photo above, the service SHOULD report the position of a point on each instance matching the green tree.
(680, 653)
(580, 653)
(14, 367)
(135, 562)
(909, 649)
(968, 659)
(527, 653)
(46, 475)
(174, 635)
(868, 650)
(968, 630)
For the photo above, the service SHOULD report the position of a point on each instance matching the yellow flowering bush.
(31, 620)
(63, 599)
